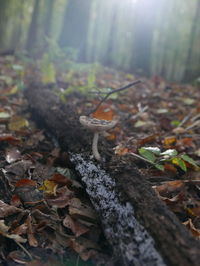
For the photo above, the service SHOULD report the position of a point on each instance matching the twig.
(185, 119)
(114, 91)
(24, 249)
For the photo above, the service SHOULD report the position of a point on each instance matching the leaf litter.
(48, 211)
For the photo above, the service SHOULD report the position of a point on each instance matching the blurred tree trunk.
(48, 18)
(111, 39)
(17, 29)
(4, 16)
(33, 29)
(74, 32)
(143, 35)
(189, 70)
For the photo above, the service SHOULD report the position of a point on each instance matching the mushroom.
(97, 126)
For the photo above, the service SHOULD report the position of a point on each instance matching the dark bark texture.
(138, 226)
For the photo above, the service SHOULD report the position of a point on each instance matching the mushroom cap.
(97, 125)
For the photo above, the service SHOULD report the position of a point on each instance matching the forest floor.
(46, 217)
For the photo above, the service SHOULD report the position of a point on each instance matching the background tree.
(32, 37)
(75, 26)
(191, 72)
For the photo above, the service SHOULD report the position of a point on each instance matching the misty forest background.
(145, 37)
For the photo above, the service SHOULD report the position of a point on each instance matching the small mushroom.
(97, 126)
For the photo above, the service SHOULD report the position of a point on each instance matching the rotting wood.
(172, 239)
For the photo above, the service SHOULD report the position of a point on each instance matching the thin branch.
(24, 249)
(115, 91)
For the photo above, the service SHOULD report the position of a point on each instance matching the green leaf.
(147, 154)
(48, 71)
(159, 166)
(154, 150)
(175, 123)
(188, 159)
(178, 161)
(170, 153)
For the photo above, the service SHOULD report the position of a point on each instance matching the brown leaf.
(9, 138)
(61, 179)
(170, 186)
(77, 228)
(62, 200)
(84, 247)
(25, 182)
(12, 155)
(30, 233)
(148, 139)
(192, 229)
(21, 229)
(104, 112)
(79, 210)
(15, 200)
(4, 230)
(7, 210)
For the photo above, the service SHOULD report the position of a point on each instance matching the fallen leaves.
(4, 230)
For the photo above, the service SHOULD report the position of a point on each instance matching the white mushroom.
(97, 126)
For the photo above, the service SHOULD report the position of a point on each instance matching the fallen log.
(138, 226)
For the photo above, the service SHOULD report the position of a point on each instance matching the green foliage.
(154, 156)
(149, 155)
(55, 53)
(48, 71)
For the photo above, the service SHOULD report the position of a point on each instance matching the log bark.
(138, 226)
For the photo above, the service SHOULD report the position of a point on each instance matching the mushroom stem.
(95, 146)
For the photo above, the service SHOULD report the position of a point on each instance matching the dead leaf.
(121, 150)
(49, 187)
(9, 138)
(7, 210)
(62, 198)
(170, 186)
(4, 230)
(169, 141)
(79, 210)
(104, 112)
(192, 229)
(17, 123)
(77, 228)
(84, 247)
(61, 179)
(12, 155)
(30, 233)
(25, 182)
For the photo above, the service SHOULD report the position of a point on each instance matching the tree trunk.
(139, 227)
(48, 18)
(4, 17)
(33, 29)
(74, 32)
(195, 23)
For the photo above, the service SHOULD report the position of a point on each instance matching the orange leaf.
(61, 179)
(120, 150)
(169, 141)
(186, 142)
(25, 182)
(170, 186)
(104, 112)
(170, 167)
